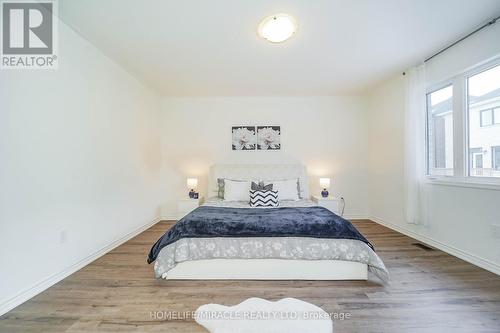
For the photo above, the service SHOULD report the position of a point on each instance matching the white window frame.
(461, 173)
(495, 123)
(492, 110)
(430, 90)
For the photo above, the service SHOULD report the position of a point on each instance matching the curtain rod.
(491, 22)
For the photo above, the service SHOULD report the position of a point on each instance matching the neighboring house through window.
(484, 103)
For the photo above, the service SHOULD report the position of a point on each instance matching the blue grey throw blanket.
(209, 222)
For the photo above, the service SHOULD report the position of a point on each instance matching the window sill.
(486, 184)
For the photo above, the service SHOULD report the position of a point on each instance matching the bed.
(295, 241)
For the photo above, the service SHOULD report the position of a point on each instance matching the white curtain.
(415, 159)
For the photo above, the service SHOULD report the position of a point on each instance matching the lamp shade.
(324, 183)
(192, 183)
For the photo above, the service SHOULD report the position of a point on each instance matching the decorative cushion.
(220, 188)
(236, 190)
(255, 186)
(288, 315)
(288, 189)
(263, 198)
(261, 186)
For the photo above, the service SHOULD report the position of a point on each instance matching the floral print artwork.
(244, 138)
(256, 137)
(268, 137)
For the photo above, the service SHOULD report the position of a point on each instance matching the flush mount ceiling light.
(277, 28)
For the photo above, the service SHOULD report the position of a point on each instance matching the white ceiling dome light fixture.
(277, 28)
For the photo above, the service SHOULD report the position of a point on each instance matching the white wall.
(79, 165)
(460, 219)
(327, 134)
(386, 147)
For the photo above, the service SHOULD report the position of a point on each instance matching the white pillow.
(237, 190)
(287, 189)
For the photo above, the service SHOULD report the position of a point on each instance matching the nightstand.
(187, 205)
(331, 203)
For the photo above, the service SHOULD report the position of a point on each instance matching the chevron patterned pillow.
(263, 198)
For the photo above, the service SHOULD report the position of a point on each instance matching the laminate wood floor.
(429, 291)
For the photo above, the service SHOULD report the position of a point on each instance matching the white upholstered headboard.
(258, 172)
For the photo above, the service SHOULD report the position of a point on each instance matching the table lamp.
(192, 183)
(324, 183)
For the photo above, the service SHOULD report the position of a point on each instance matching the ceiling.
(211, 48)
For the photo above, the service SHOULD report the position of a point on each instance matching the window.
(483, 108)
(495, 156)
(440, 131)
(490, 117)
(476, 157)
(486, 117)
(463, 126)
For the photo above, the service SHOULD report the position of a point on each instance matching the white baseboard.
(168, 217)
(471, 258)
(355, 217)
(50, 281)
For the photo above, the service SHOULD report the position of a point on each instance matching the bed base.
(268, 269)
